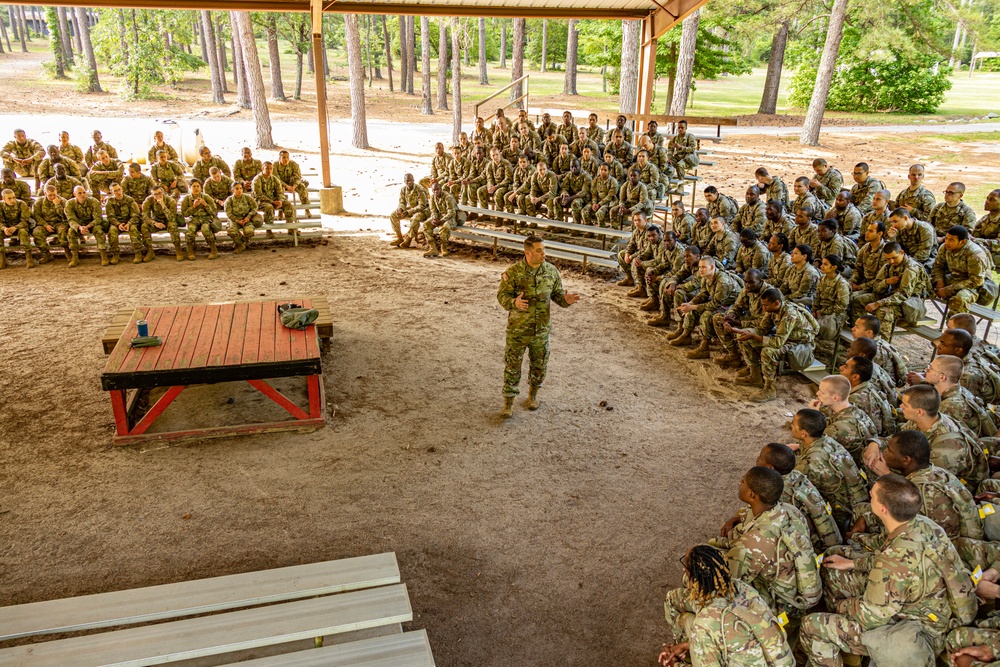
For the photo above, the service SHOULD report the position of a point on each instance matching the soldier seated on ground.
(22, 154)
(962, 272)
(846, 423)
(866, 397)
(442, 217)
(978, 376)
(160, 145)
(744, 312)
(945, 374)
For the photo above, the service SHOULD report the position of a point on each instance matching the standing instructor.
(525, 291)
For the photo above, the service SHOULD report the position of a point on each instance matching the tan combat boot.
(74, 259)
(766, 394)
(651, 303)
(626, 282)
(700, 352)
(743, 372)
(731, 359)
(115, 257)
(179, 252)
(396, 242)
(508, 407)
(444, 248)
(46, 257)
(240, 247)
(660, 321)
(150, 255)
(683, 339)
(432, 250)
(638, 292)
(214, 254)
(104, 257)
(29, 260)
(190, 250)
(533, 398)
(752, 379)
(405, 242)
(138, 256)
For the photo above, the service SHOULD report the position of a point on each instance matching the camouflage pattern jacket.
(539, 286)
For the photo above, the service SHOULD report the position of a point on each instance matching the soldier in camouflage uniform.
(649, 175)
(945, 374)
(562, 162)
(910, 586)
(862, 346)
(20, 189)
(92, 154)
(137, 185)
(667, 259)
(701, 229)
(123, 217)
(915, 236)
(551, 145)
(776, 221)
(780, 262)
(962, 272)
(987, 230)
(805, 196)
(864, 188)
(529, 139)
(442, 215)
(49, 213)
(72, 151)
(832, 243)
(845, 422)
(159, 213)
(683, 151)
(160, 145)
(246, 169)
(615, 168)
(288, 171)
(620, 126)
(633, 197)
(800, 280)
(595, 133)
(413, 206)
(974, 647)
(866, 397)
(649, 253)
(526, 288)
(722, 206)
(658, 158)
(752, 253)
(830, 305)
(652, 134)
(847, 215)
(681, 221)
(85, 217)
(203, 164)
(723, 245)
(869, 259)
(827, 183)
(771, 187)
(241, 211)
(16, 222)
(46, 168)
(270, 197)
(901, 281)
(787, 332)
(621, 150)
(805, 231)
(638, 245)
(459, 169)
(218, 187)
(103, 172)
(64, 184)
(978, 376)
(752, 214)
(679, 287)
(574, 193)
(498, 173)
(744, 312)
(568, 128)
(520, 175)
(538, 191)
(482, 133)
(23, 155)
(168, 174)
(199, 212)
(439, 166)
(916, 199)
(800, 493)
(717, 292)
(589, 163)
(951, 212)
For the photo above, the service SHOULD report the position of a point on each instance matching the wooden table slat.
(251, 341)
(209, 331)
(122, 347)
(234, 353)
(148, 356)
(172, 341)
(282, 343)
(217, 355)
(298, 340)
(268, 323)
(192, 337)
(312, 337)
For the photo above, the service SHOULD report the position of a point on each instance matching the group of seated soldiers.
(95, 194)
(873, 533)
(553, 171)
(776, 283)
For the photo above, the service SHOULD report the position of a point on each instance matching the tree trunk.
(23, 17)
(253, 78)
(685, 64)
(671, 78)
(503, 43)
(356, 68)
(134, 54)
(628, 87)
(769, 100)
(425, 64)
(17, 12)
(404, 62)
(12, 13)
(303, 35)
(456, 82)
(274, 59)
(824, 75)
(88, 50)
(484, 78)
(411, 53)
(388, 51)
(368, 48)
(56, 42)
(3, 33)
(545, 44)
(442, 101)
(220, 43)
(214, 69)
(202, 41)
(243, 100)
(517, 66)
(572, 42)
(65, 36)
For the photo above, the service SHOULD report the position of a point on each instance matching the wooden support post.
(647, 71)
(318, 50)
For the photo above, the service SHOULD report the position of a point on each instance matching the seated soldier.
(503, 131)
(440, 164)
(780, 261)
(772, 187)
(880, 209)
(830, 305)
(681, 221)
(620, 126)
(677, 288)
(22, 154)
(458, 170)
(241, 212)
(649, 253)
(270, 197)
(978, 377)
(870, 259)
(649, 175)
(800, 280)
(832, 243)
(537, 194)
(199, 212)
(915, 236)
(527, 138)
(136, 184)
(246, 169)
(46, 168)
(498, 174)
(744, 313)
(520, 175)
(595, 133)
(413, 206)
(724, 206)
(64, 184)
(551, 142)
(668, 258)
(845, 422)
(905, 587)
(474, 180)
(621, 150)
(49, 213)
(944, 373)
(829, 466)
(805, 231)
(73, 152)
(123, 214)
(93, 153)
(561, 163)
(615, 168)
(574, 193)
(652, 134)
(9, 181)
(633, 197)
(588, 163)
(511, 151)
(898, 292)
(752, 253)
(482, 132)
(169, 175)
(787, 333)
(638, 245)
(714, 611)
(682, 150)
(962, 272)
(804, 196)
(752, 215)
(218, 187)
(866, 347)
(85, 217)
(864, 188)
(777, 220)
(465, 146)
(657, 156)
(952, 212)
(916, 199)
(984, 353)
(287, 170)
(442, 216)
(847, 215)
(701, 228)
(723, 244)
(103, 173)
(827, 182)
(205, 162)
(800, 493)
(866, 397)
(568, 127)
(160, 145)
(159, 213)
(716, 293)
(972, 646)
(16, 223)
(987, 230)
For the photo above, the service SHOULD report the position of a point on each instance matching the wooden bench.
(565, 251)
(409, 649)
(603, 232)
(324, 324)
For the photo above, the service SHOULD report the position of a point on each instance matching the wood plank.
(192, 334)
(221, 633)
(251, 337)
(282, 343)
(173, 340)
(120, 351)
(223, 327)
(408, 649)
(209, 329)
(692, 120)
(199, 596)
(269, 320)
(298, 343)
(159, 325)
(234, 353)
(312, 335)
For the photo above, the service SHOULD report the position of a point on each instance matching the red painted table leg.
(315, 396)
(157, 409)
(121, 414)
(278, 398)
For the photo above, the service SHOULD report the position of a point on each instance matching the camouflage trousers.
(469, 193)
(679, 612)
(888, 315)
(705, 320)
(681, 166)
(24, 236)
(619, 219)
(302, 192)
(26, 170)
(208, 228)
(267, 210)
(963, 298)
(444, 232)
(60, 230)
(101, 182)
(180, 189)
(241, 234)
(828, 333)
(497, 198)
(104, 233)
(513, 357)
(598, 217)
(905, 644)
(727, 339)
(415, 220)
(768, 358)
(668, 305)
(526, 207)
(575, 207)
(966, 637)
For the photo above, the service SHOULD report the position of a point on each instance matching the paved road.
(931, 128)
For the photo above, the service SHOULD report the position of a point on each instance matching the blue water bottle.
(142, 326)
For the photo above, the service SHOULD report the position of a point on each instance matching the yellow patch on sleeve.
(783, 619)
(819, 560)
(829, 510)
(932, 616)
(976, 575)
(986, 510)
(863, 475)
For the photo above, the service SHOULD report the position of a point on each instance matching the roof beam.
(670, 13)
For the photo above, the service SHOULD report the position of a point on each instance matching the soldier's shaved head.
(778, 456)
(914, 445)
(819, 162)
(923, 397)
(964, 321)
(765, 483)
(837, 385)
(950, 366)
(813, 422)
(899, 495)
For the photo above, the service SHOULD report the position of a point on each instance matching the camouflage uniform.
(219, 190)
(458, 171)
(64, 187)
(920, 200)
(498, 175)
(918, 241)
(889, 358)
(749, 216)
(443, 209)
(101, 175)
(290, 174)
(830, 183)
(19, 216)
(785, 224)
(799, 492)
(616, 171)
(626, 131)
(777, 268)
(756, 256)
(166, 148)
(649, 175)
(21, 190)
(29, 149)
(723, 246)
(53, 214)
(138, 188)
(89, 214)
(912, 288)
(569, 131)
(748, 313)
(981, 379)
(833, 296)
(663, 263)
(687, 282)
(965, 637)
(560, 164)
(725, 207)
(637, 246)
(550, 148)
(683, 227)
(166, 214)
(987, 234)
(838, 245)
(716, 294)
(867, 265)
(868, 400)
(165, 174)
(413, 203)
(623, 153)
(956, 449)
(90, 157)
(46, 168)
(852, 428)
(849, 221)
(267, 190)
(537, 185)
(74, 153)
(591, 166)
(200, 170)
(776, 190)
(201, 219)
(863, 193)
(794, 331)
(807, 234)
(440, 165)
(818, 207)
(125, 211)
(238, 208)
(528, 329)
(635, 198)
(799, 285)
(532, 141)
(835, 475)
(701, 234)
(964, 408)
(518, 178)
(904, 582)
(245, 172)
(660, 158)
(573, 186)
(944, 217)
(683, 152)
(966, 275)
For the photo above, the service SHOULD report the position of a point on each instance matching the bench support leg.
(279, 398)
(156, 410)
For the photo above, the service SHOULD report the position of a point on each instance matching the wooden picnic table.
(207, 344)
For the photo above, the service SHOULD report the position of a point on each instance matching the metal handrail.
(525, 79)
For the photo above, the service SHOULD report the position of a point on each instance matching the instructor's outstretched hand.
(572, 297)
